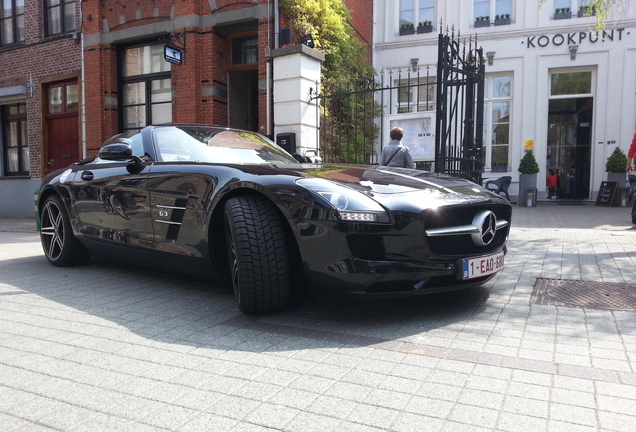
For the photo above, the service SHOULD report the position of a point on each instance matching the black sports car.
(232, 205)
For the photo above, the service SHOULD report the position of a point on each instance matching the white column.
(296, 77)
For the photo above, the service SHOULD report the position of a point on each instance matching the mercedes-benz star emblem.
(486, 222)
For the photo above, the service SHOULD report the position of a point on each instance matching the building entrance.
(62, 103)
(243, 100)
(569, 145)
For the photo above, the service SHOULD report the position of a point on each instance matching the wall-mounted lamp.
(573, 50)
(491, 57)
(307, 40)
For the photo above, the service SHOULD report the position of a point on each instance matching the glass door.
(570, 116)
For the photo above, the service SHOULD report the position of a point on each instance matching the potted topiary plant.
(528, 169)
(615, 167)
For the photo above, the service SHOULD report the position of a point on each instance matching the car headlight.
(352, 206)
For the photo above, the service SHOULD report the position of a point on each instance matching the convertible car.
(232, 205)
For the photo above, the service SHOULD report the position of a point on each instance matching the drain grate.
(594, 295)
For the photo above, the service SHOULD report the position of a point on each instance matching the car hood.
(385, 183)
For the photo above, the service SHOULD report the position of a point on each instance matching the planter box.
(425, 29)
(407, 31)
(482, 23)
(581, 13)
(526, 181)
(499, 168)
(562, 15)
(620, 178)
(502, 21)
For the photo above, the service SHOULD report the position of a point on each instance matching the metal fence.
(352, 115)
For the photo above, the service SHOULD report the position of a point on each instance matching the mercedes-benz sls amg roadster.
(233, 206)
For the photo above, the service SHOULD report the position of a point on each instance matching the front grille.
(366, 246)
(461, 245)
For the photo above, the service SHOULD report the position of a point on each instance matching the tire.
(60, 246)
(257, 254)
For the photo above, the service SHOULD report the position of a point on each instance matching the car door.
(112, 201)
(179, 189)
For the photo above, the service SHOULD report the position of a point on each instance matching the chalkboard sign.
(606, 193)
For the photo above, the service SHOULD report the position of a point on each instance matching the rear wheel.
(258, 258)
(60, 246)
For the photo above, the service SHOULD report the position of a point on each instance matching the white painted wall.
(532, 46)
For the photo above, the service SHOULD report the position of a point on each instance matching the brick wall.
(37, 61)
(200, 86)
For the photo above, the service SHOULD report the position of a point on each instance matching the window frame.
(416, 11)
(493, 8)
(18, 37)
(21, 119)
(146, 80)
(489, 123)
(574, 5)
(416, 101)
(63, 6)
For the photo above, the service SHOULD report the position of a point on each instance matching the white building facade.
(553, 84)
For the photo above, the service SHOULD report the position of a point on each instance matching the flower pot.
(425, 28)
(526, 181)
(562, 15)
(499, 168)
(407, 31)
(502, 21)
(620, 178)
(482, 23)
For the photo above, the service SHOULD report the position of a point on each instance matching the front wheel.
(257, 253)
(60, 246)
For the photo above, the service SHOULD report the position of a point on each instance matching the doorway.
(62, 131)
(569, 144)
(243, 100)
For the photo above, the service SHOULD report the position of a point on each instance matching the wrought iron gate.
(351, 118)
(460, 108)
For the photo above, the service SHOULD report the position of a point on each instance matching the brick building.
(54, 111)
(40, 70)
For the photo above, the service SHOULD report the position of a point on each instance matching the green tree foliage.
(347, 125)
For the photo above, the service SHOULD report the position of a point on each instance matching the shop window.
(415, 95)
(15, 146)
(12, 22)
(498, 12)
(244, 50)
(497, 104)
(146, 87)
(59, 16)
(416, 13)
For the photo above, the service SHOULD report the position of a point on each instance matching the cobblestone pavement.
(113, 347)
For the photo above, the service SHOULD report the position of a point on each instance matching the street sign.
(172, 55)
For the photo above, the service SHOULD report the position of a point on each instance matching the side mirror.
(116, 152)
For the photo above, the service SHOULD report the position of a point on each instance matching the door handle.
(87, 175)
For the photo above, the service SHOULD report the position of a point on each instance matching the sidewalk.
(17, 225)
(112, 346)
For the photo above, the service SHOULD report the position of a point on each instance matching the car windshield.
(225, 146)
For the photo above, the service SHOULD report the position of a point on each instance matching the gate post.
(295, 76)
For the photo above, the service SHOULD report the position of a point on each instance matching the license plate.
(483, 265)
